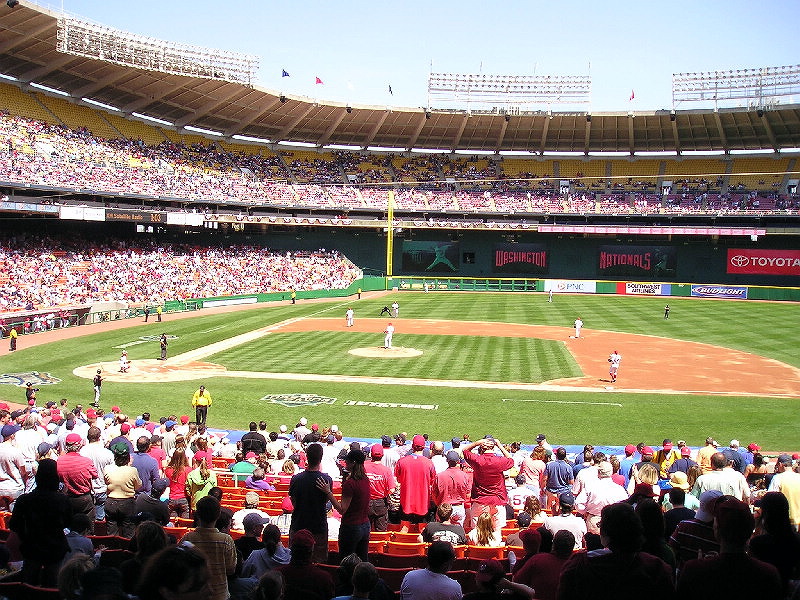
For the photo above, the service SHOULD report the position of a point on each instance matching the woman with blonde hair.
(199, 481)
(647, 473)
(484, 533)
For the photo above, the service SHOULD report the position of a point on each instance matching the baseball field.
(476, 363)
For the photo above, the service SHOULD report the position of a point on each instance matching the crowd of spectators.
(658, 523)
(40, 153)
(37, 271)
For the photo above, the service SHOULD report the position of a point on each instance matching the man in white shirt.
(598, 493)
(566, 520)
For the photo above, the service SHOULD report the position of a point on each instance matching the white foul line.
(561, 402)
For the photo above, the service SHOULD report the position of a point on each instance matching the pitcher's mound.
(379, 352)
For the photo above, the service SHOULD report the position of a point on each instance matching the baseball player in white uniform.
(578, 325)
(387, 340)
(613, 367)
(349, 317)
(124, 364)
(395, 309)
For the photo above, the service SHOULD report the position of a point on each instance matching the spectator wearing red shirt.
(415, 473)
(354, 507)
(543, 570)
(76, 473)
(488, 482)
(381, 484)
(452, 486)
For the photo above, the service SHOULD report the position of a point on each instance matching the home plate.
(381, 352)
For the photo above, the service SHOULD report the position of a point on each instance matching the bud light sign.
(719, 291)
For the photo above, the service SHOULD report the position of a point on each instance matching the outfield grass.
(768, 329)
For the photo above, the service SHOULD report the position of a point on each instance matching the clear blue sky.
(359, 48)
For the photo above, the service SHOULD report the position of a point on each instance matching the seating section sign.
(756, 261)
(638, 261)
(520, 258)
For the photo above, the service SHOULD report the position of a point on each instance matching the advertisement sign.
(570, 286)
(637, 261)
(520, 258)
(752, 261)
(135, 216)
(719, 291)
(645, 289)
(431, 257)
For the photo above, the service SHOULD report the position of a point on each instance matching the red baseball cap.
(418, 441)
(686, 451)
(73, 438)
(647, 450)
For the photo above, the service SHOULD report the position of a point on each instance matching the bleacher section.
(52, 142)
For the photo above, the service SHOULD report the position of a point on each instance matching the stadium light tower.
(760, 88)
(90, 40)
(491, 91)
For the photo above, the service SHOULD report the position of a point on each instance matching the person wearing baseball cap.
(76, 472)
(452, 487)
(684, 463)
(665, 457)
(16, 473)
(565, 519)
(415, 473)
(381, 486)
(541, 440)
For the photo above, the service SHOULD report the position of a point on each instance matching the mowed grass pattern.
(766, 328)
(443, 357)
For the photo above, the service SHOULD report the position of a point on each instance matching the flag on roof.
(390, 89)
(632, 96)
(284, 73)
(318, 81)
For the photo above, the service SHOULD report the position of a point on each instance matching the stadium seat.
(484, 552)
(407, 537)
(398, 561)
(393, 547)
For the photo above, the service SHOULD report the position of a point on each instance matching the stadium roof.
(28, 53)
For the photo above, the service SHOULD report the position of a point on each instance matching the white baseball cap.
(303, 421)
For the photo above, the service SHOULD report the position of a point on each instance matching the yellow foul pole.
(389, 236)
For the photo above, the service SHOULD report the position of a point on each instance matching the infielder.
(123, 362)
(348, 316)
(395, 309)
(387, 340)
(97, 382)
(614, 361)
(578, 325)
